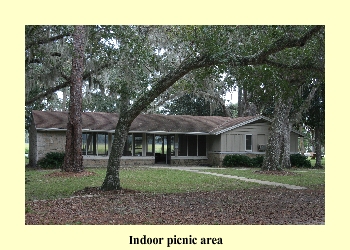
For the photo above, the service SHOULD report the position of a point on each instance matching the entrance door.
(163, 148)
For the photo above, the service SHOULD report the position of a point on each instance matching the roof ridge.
(251, 119)
(220, 125)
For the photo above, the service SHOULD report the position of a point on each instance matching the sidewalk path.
(196, 170)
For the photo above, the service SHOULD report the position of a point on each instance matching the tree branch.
(296, 67)
(287, 42)
(51, 90)
(47, 93)
(206, 60)
(46, 40)
(36, 60)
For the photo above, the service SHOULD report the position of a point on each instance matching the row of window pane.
(188, 145)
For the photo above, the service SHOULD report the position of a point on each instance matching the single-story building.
(153, 138)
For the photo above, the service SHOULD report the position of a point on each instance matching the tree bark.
(112, 180)
(277, 154)
(73, 160)
(285, 136)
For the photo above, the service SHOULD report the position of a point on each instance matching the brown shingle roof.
(99, 121)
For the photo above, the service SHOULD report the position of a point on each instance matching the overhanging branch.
(51, 90)
(296, 67)
(46, 40)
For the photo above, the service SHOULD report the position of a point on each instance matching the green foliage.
(236, 160)
(257, 161)
(52, 160)
(190, 104)
(300, 161)
(242, 161)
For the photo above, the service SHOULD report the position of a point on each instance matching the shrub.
(257, 161)
(296, 160)
(242, 161)
(52, 160)
(300, 161)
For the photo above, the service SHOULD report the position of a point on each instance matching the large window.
(192, 145)
(94, 143)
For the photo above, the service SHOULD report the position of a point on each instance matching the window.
(192, 145)
(150, 145)
(202, 145)
(161, 144)
(94, 143)
(182, 151)
(248, 143)
(137, 145)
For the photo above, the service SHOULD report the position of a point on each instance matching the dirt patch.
(268, 206)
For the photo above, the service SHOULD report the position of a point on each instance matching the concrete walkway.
(197, 170)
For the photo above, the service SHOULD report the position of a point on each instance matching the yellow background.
(16, 14)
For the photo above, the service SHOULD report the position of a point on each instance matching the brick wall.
(54, 141)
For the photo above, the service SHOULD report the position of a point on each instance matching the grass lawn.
(313, 161)
(40, 186)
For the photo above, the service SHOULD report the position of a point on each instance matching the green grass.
(40, 186)
(313, 161)
(175, 181)
(304, 177)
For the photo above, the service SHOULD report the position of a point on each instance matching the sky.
(232, 97)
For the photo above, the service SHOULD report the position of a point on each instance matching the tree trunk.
(285, 140)
(73, 160)
(277, 154)
(112, 181)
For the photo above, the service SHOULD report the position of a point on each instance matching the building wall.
(234, 141)
(213, 143)
(96, 161)
(53, 141)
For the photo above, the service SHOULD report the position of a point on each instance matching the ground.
(235, 207)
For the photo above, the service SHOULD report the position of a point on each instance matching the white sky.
(232, 97)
